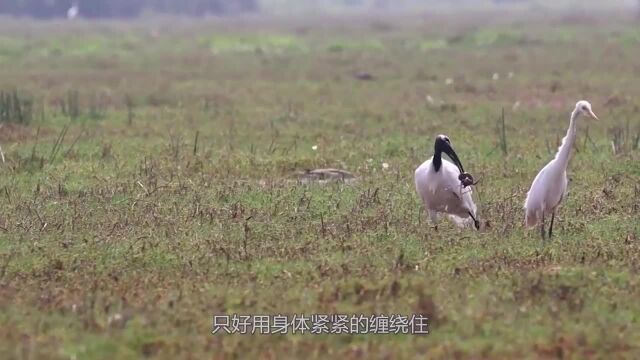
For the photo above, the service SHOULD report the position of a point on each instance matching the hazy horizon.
(118, 9)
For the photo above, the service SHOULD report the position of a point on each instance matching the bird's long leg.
(434, 219)
(553, 216)
(476, 223)
(542, 232)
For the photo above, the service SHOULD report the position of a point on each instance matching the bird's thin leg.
(553, 216)
(542, 232)
(476, 223)
(434, 219)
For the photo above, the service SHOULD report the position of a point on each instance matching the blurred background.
(166, 160)
(46, 9)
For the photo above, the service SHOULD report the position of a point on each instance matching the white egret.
(443, 186)
(549, 187)
(73, 11)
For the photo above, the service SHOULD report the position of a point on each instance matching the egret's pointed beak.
(452, 154)
(593, 115)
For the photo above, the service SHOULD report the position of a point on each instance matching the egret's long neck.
(567, 142)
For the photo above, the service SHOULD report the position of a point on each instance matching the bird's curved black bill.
(453, 156)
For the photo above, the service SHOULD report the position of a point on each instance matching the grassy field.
(151, 180)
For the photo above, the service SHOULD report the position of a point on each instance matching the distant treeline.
(123, 8)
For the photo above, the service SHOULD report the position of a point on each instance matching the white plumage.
(73, 11)
(549, 187)
(438, 184)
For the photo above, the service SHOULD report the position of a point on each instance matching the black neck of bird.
(437, 158)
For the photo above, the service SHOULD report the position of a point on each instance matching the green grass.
(262, 43)
(123, 240)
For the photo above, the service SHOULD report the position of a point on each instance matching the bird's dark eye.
(584, 108)
(447, 140)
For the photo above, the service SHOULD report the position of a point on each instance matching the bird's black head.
(443, 138)
(443, 145)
